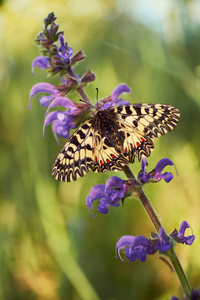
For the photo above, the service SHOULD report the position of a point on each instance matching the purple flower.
(62, 123)
(163, 245)
(156, 174)
(179, 236)
(44, 87)
(108, 194)
(118, 90)
(114, 98)
(42, 62)
(195, 295)
(139, 246)
(64, 52)
(135, 247)
(65, 102)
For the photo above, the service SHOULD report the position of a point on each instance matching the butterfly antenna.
(84, 101)
(97, 95)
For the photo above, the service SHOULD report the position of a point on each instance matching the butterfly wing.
(75, 158)
(107, 154)
(86, 150)
(140, 123)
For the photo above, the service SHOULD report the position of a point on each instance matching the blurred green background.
(50, 245)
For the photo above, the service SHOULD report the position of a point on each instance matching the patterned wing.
(140, 123)
(107, 156)
(86, 150)
(75, 158)
(112, 139)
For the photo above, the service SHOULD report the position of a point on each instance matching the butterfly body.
(113, 138)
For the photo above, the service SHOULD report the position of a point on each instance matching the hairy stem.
(143, 198)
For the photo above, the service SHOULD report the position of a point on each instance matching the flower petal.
(42, 87)
(123, 242)
(164, 244)
(135, 247)
(42, 62)
(122, 102)
(115, 182)
(55, 115)
(155, 175)
(167, 176)
(104, 204)
(107, 105)
(162, 164)
(64, 54)
(118, 90)
(65, 102)
(184, 225)
(95, 193)
(45, 100)
(142, 241)
(188, 240)
(115, 189)
(62, 126)
(143, 177)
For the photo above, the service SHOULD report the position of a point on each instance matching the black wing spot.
(119, 109)
(128, 110)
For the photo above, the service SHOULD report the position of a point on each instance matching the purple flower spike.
(42, 62)
(108, 194)
(164, 244)
(155, 175)
(179, 236)
(65, 52)
(135, 247)
(44, 87)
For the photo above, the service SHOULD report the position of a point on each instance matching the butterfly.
(112, 138)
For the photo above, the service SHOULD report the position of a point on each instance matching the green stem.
(179, 271)
(152, 215)
(148, 207)
(143, 198)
